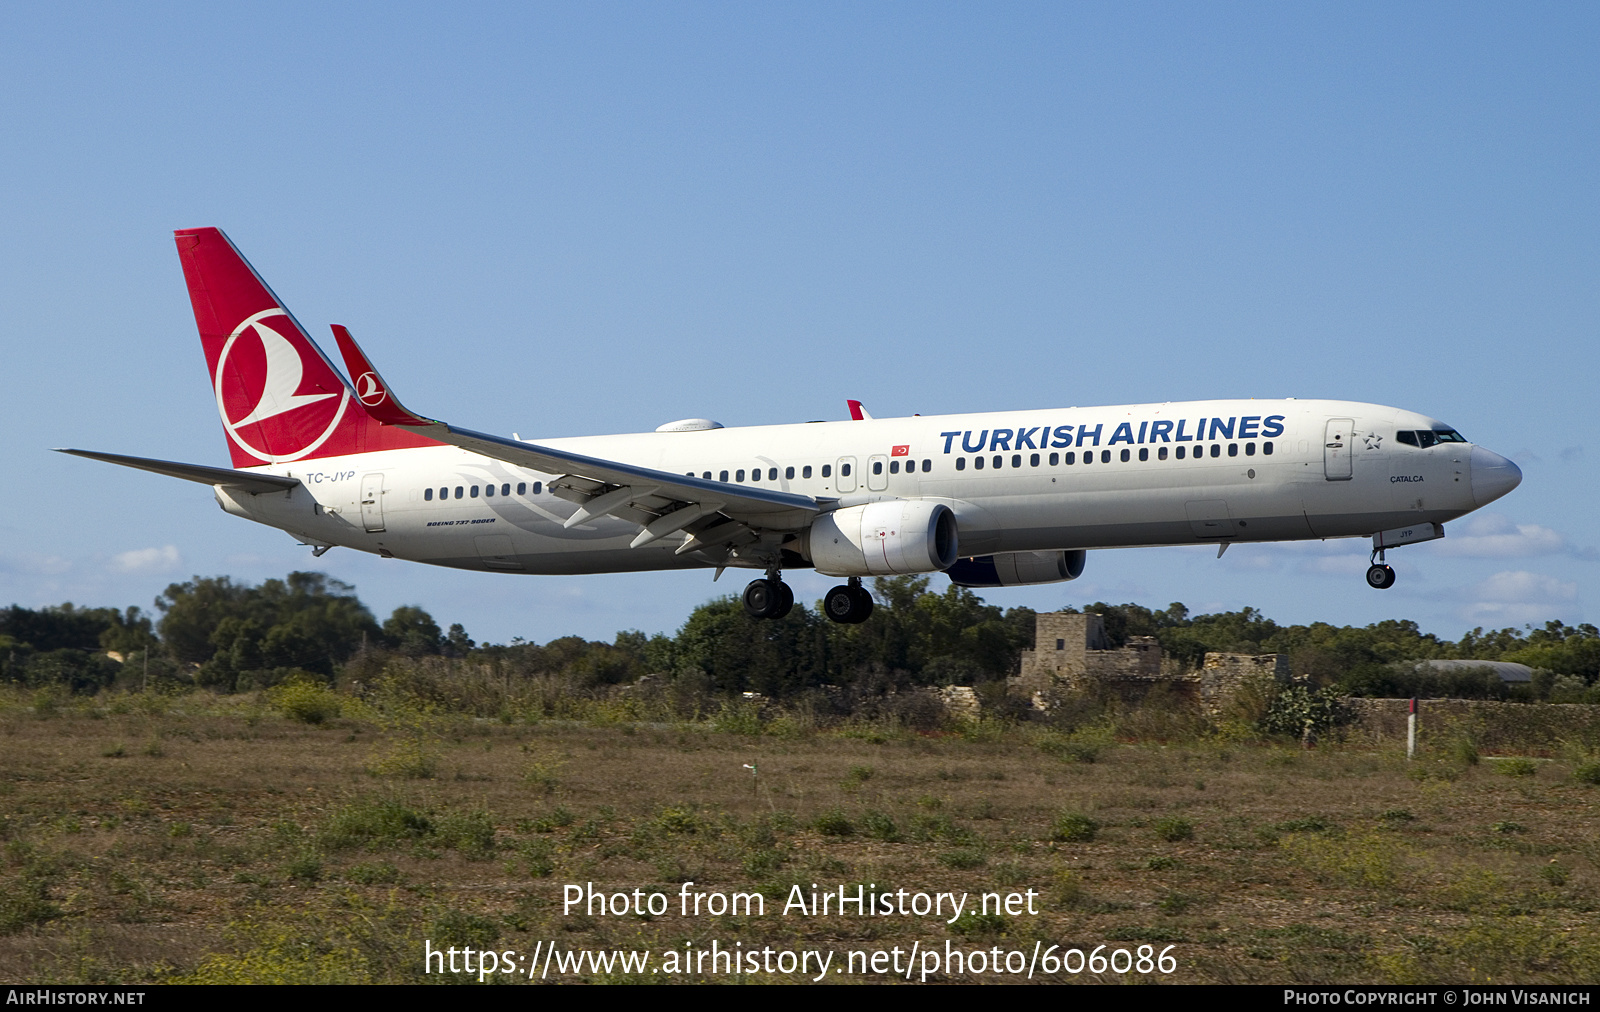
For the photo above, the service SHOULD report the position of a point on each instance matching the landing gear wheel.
(761, 599)
(785, 595)
(1380, 577)
(850, 605)
(863, 605)
(768, 598)
(839, 604)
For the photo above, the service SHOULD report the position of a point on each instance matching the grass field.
(153, 838)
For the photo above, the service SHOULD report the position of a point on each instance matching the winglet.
(858, 412)
(372, 393)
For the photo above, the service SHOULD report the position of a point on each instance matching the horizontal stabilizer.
(245, 481)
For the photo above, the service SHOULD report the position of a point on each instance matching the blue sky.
(573, 219)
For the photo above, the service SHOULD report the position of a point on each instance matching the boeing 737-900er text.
(991, 499)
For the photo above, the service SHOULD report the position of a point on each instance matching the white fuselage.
(1279, 470)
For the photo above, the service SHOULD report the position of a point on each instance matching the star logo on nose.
(1373, 441)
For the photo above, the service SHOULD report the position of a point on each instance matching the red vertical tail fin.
(279, 397)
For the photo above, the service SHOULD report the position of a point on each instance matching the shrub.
(374, 824)
(834, 823)
(963, 859)
(678, 820)
(1587, 773)
(306, 701)
(1299, 713)
(880, 826)
(1174, 829)
(305, 868)
(1073, 827)
(469, 833)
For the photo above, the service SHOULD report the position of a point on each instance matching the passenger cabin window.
(1055, 458)
(844, 470)
(1105, 456)
(1125, 456)
(473, 492)
(1071, 458)
(827, 470)
(1233, 449)
(427, 495)
(739, 475)
(1178, 452)
(1144, 453)
(805, 472)
(522, 488)
(998, 460)
(1161, 453)
(961, 463)
(488, 491)
(894, 467)
(459, 491)
(1266, 448)
(722, 476)
(877, 467)
(772, 473)
(977, 462)
(788, 472)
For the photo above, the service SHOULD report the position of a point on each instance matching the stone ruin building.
(1071, 654)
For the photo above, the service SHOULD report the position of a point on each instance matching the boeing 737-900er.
(991, 499)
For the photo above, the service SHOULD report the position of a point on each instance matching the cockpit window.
(1429, 437)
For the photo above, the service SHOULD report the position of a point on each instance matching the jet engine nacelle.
(894, 537)
(1017, 569)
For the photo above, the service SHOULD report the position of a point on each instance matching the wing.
(719, 516)
(244, 481)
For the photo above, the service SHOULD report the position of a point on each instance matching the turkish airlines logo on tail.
(259, 380)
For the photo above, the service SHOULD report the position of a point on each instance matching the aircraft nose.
(1492, 476)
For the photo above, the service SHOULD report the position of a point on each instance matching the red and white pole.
(1411, 730)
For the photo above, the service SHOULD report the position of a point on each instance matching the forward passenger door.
(1336, 448)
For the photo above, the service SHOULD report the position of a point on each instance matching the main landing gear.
(772, 598)
(1379, 575)
(768, 598)
(849, 604)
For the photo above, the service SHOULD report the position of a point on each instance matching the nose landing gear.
(768, 598)
(849, 604)
(1380, 576)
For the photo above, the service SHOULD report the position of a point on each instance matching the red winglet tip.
(372, 393)
(855, 409)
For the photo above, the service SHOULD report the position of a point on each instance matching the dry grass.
(218, 840)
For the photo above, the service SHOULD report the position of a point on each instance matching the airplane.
(992, 499)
